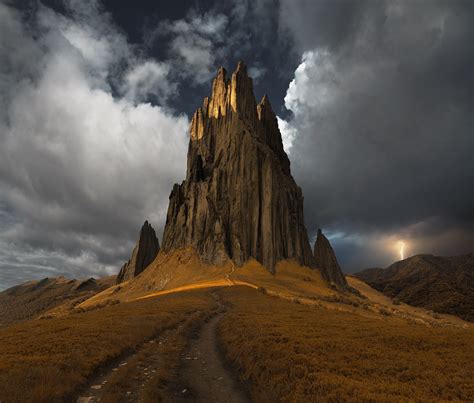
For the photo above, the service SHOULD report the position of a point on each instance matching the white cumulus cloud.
(81, 167)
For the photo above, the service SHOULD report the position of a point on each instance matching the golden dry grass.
(290, 279)
(166, 272)
(182, 270)
(165, 359)
(46, 360)
(290, 352)
(310, 343)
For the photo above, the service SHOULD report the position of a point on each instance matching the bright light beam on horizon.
(402, 249)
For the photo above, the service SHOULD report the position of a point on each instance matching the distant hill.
(442, 284)
(34, 298)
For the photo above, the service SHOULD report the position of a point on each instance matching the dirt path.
(141, 366)
(227, 276)
(203, 377)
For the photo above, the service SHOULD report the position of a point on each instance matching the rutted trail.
(204, 378)
(140, 367)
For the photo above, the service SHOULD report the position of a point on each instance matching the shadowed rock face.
(143, 254)
(325, 259)
(239, 199)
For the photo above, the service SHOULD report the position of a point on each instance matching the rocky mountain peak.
(326, 260)
(145, 251)
(239, 199)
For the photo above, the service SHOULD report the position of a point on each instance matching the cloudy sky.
(374, 98)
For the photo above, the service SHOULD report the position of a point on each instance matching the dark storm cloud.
(384, 124)
(325, 23)
(220, 33)
(93, 104)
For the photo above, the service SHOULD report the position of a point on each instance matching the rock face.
(325, 259)
(239, 199)
(143, 254)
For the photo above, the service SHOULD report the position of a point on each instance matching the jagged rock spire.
(143, 254)
(239, 199)
(326, 260)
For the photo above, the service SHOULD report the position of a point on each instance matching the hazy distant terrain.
(31, 299)
(442, 284)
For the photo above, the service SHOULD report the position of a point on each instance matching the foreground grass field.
(283, 351)
(50, 360)
(289, 352)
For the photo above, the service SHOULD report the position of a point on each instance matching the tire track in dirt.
(142, 371)
(203, 376)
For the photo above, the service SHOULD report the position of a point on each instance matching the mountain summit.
(239, 199)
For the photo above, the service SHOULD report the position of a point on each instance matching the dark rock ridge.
(326, 260)
(239, 199)
(143, 254)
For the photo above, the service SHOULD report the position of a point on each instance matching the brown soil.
(127, 378)
(204, 376)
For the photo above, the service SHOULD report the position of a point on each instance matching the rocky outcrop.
(143, 254)
(239, 199)
(326, 260)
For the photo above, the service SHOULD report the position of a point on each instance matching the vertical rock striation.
(239, 199)
(143, 254)
(325, 259)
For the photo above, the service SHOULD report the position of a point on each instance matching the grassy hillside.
(290, 335)
(47, 360)
(290, 352)
(31, 299)
(442, 284)
(183, 269)
(284, 350)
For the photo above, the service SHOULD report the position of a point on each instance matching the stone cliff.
(143, 254)
(239, 199)
(325, 259)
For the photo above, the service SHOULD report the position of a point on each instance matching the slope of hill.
(281, 350)
(183, 269)
(35, 298)
(442, 284)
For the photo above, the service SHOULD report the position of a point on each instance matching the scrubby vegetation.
(290, 352)
(51, 359)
